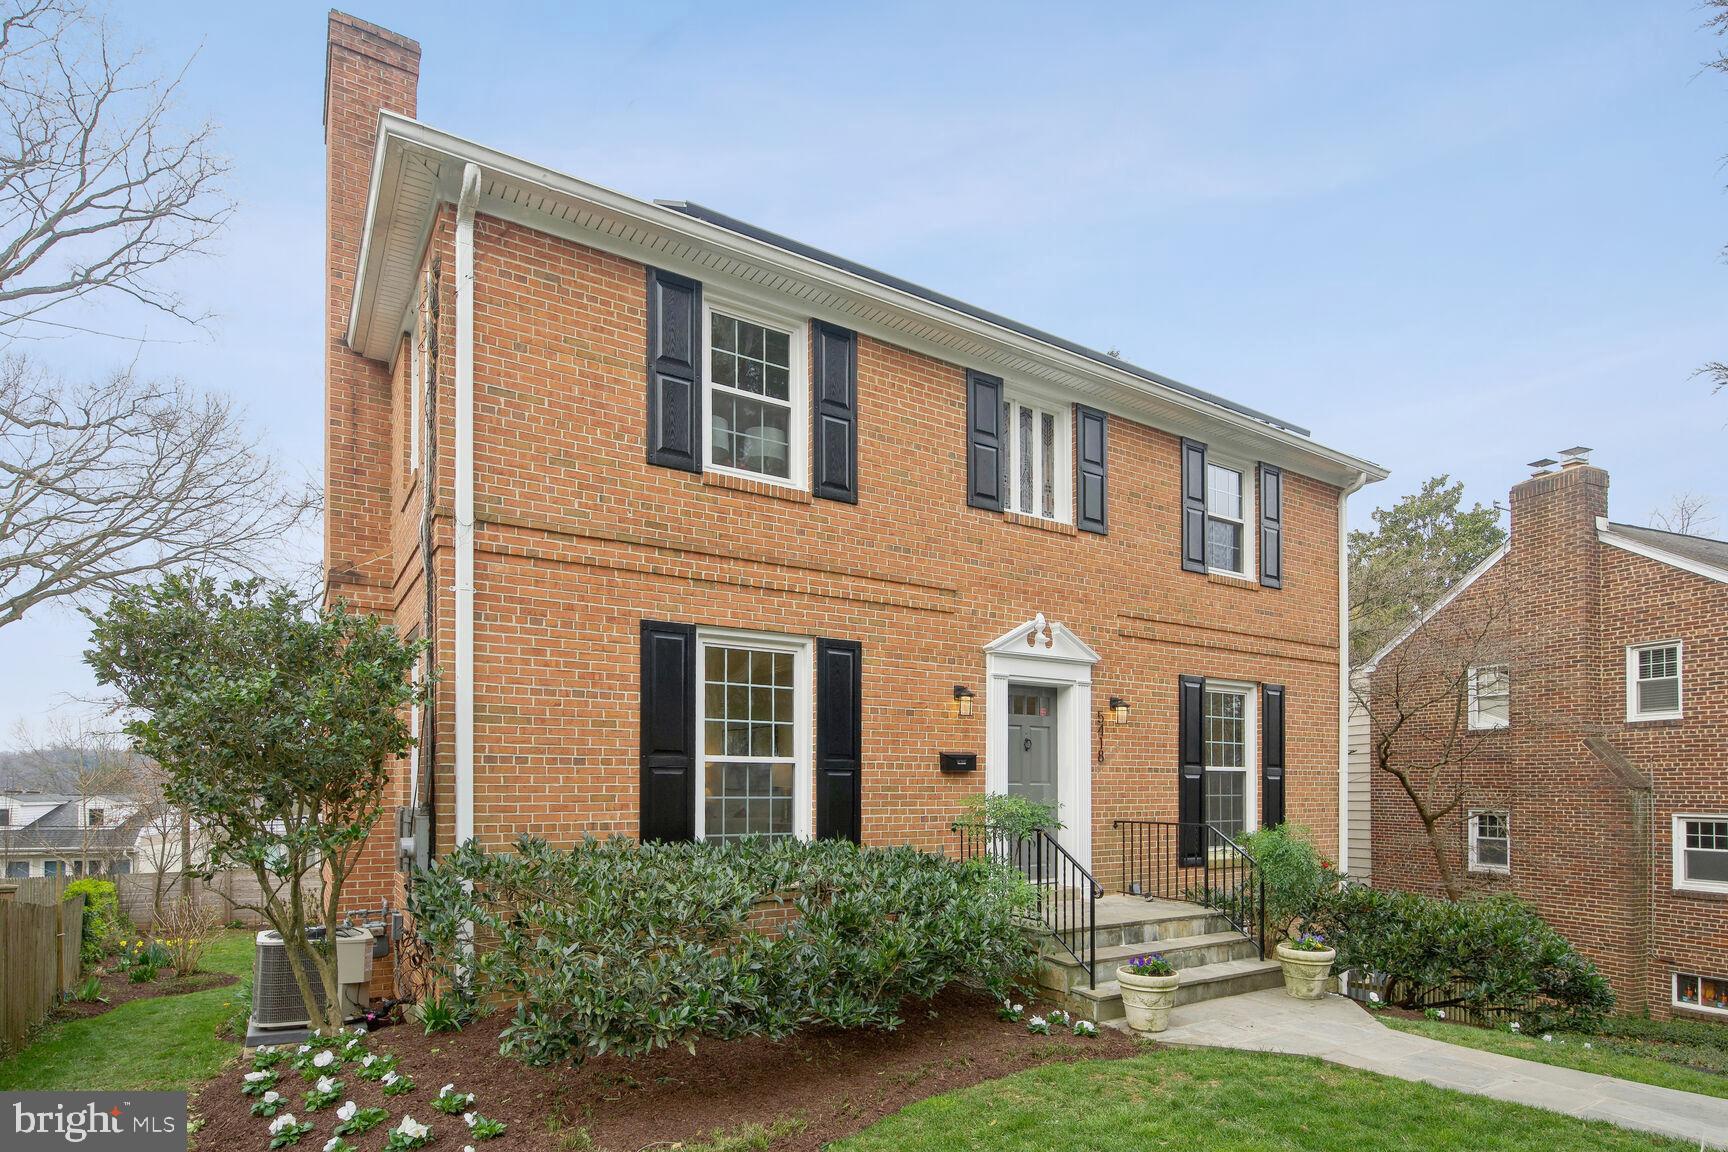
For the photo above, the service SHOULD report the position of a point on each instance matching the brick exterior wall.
(579, 539)
(1589, 825)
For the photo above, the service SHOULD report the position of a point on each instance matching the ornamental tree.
(273, 720)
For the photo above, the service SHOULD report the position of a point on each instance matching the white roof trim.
(1452, 594)
(1606, 534)
(1059, 643)
(415, 169)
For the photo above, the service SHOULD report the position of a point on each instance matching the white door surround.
(1046, 654)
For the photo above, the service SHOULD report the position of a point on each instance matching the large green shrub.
(101, 928)
(1294, 874)
(618, 947)
(1492, 955)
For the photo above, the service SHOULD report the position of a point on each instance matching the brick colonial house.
(1596, 710)
(714, 533)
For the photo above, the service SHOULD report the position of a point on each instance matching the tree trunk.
(1437, 842)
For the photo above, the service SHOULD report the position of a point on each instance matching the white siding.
(1358, 862)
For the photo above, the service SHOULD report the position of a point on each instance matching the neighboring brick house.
(715, 533)
(1595, 708)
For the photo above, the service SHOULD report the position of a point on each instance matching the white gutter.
(1344, 668)
(465, 207)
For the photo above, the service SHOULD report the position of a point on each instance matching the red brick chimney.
(368, 69)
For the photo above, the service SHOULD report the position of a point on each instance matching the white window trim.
(1473, 862)
(1633, 715)
(1017, 397)
(802, 649)
(1250, 523)
(798, 392)
(1677, 848)
(1477, 722)
(1691, 1006)
(1250, 747)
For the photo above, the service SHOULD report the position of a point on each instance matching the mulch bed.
(811, 1089)
(117, 989)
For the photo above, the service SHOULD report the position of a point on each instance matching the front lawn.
(156, 1044)
(1691, 1056)
(1225, 1101)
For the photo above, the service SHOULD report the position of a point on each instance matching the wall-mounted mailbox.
(959, 761)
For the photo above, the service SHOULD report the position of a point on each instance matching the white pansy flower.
(254, 1077)
(1373, 997)
(1440, 1013)
(325, 1084)
(332, 1144)
(282, 1123)
(305, 1048)
(1036, 1021)
(272, 1096)
(467, 1148)
(447, 1090)
(1587, 1044)
(346, 1112)
(267, 1048)
(468, 1119)
(368, 1060)
(324, 1059)
(1514, 1026)
(1547, 1038)
(390, 1078)
(470, 1097)
(412, 1128)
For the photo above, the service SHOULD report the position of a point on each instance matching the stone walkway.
(1339, 1030)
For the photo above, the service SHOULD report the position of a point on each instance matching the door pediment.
(1041, 639)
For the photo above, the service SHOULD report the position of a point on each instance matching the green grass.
(1225, 1101)
(1660, 1056)
(159, 1044)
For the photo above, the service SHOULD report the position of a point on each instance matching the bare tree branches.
(98, 187)
(103, 484)
(1687, 513)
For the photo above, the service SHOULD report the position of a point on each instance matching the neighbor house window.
(5, 817)
(755, 396)
(51, 868)
(1490, 696)
(93, 817)
(755, 733)
(1701, 852)
(1707, 993)
(1227, 730)
(17, 869)
(1035, 465)
(1227, 509)
(1653, 682)
(1490, 842)
(119, 867)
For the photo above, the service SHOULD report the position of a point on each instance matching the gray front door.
(1032, 744)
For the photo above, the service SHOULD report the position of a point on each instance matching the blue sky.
(1446, 237)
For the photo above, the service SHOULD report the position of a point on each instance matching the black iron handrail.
(1067, 893)
(1171, 860)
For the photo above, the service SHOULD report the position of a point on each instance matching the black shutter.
(1193, 506)
(674, 384)
(1191, 783)
(1271, 755)
(984, 435)
(839, 739)
(835, 413)
(1271, 526)
(1090, 486)
(668, 732)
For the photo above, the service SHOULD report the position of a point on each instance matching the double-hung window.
(1035, 468)
(1490, 842)
(1701, 852)
(1228, 506)
(756, 406)
(1653, 681)
(93, 817)
(1227, 732)
(1490, 696)
(1706, 993)
(755, 737)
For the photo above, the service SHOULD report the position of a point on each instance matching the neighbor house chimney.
(368, 70)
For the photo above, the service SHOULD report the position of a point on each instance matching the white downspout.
(465, 207)
(1344, 668)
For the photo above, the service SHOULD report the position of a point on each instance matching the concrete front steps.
(1212, 958)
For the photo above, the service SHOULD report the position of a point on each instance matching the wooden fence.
(39, 953)
(225, 893)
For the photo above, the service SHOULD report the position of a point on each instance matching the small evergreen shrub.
(101, 927)
(1296, 877)
(1492, 955)
(618, 947)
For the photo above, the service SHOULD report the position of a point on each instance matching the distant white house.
(55, 834)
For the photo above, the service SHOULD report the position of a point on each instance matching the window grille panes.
(1695, 991)
(1225, 734)
(1491, 703)
(1224, 518)
(749, 742)
(1658, 680)
(1034, 459)
(1007, 453)
(1491, 841)
(750, 396)
(1025, 454)
(1707, 850)
(1047, 456)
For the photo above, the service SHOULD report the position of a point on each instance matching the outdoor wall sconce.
(962, 701)
(1118, 710)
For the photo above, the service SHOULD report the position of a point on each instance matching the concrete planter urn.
(1147, 1000)
(1306, 970)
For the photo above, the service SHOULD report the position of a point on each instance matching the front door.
(1032, 748)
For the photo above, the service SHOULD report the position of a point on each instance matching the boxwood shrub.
(1492, 955)
(101, 927)
(612, 946)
